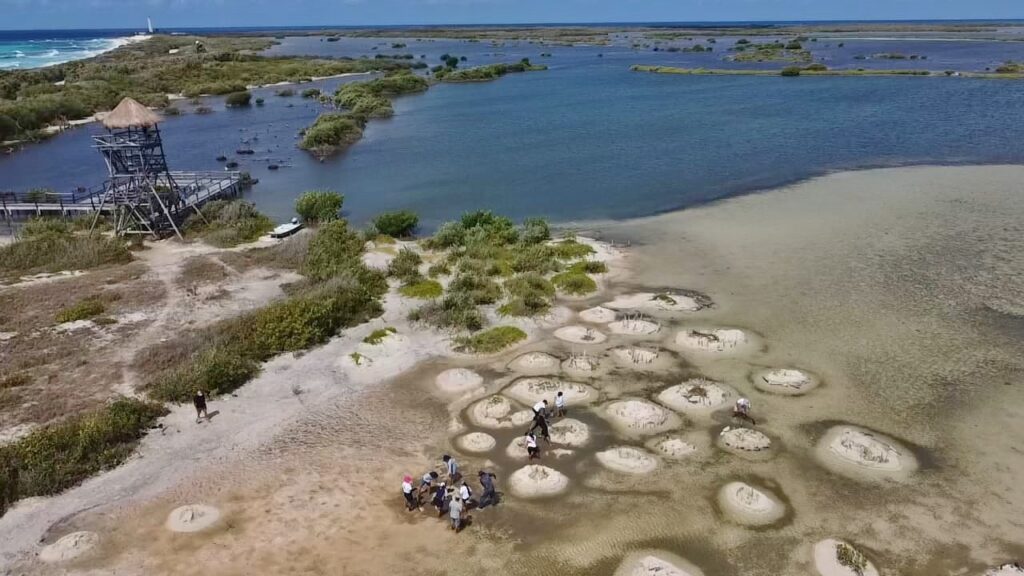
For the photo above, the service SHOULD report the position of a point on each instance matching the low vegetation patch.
(83, 310)
(399, 224)
(238, 99)
(422, 289)
(331, 133)
(52, 246)
(486, 73)
(57, 457)
(574, 283)
(490, 341)
(227, 223)
(319, 206)
(378, 335)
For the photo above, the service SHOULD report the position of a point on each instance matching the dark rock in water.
(231, 165)
(222, 158)
(272, 167)
(245, 151)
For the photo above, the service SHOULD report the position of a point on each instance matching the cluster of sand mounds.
(492, 412)
(864, 454)
(788, 381)
(827, 554)
(192, 518)
(476, 442)
(533, 389)
(69, 547)
(628, 459)
(534, 363)
(656, 563)
(749, 505)
(570, 432)
(458, 380)
(598, 315)
(697, 395)
(1005, 570)
(672, 446)
(640, 417)
(665, 301)
(582, 366)
(580, 335)
(634, 327)
(537, 481)
(744, 441)
(713, 340)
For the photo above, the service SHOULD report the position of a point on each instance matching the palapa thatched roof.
(130, 114)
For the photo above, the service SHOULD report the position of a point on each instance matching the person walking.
(539, 421)
(427, 482)
(453, 469)
(455, 508)
(490, 495)
(199, 401)
(411, 501)
(465, 494)
(531, 446)
(560, 404)
(440, 498)
(541, 408)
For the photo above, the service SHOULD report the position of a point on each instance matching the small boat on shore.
(286, 230)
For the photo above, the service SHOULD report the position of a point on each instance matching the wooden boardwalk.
(195, 189)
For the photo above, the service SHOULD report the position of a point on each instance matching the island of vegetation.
(818, 69)
(777, 51)
(34, 102)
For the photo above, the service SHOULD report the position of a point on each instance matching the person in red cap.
(411, 501)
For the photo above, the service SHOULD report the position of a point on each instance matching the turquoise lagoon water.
(588, 138)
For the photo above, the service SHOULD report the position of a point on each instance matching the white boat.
(286, 230)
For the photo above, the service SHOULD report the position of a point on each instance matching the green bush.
(57, 457)
(311, 93)
(570, 249)
(227, 223)
(422, 289)
(490, 341)
(539, 258)
(319, 206)
(535, 231)
(575, 283)
(82, 310)
(237, 99)
(478, 289)
(406, 266)
(286, 93)
(56, 252)
(791, 71)
(220, 369)
(438, 269)
(335, 249)
(397, 224)
(589, 267)
(331, 133)
(457, 311)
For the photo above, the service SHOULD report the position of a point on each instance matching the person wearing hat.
(411, 501)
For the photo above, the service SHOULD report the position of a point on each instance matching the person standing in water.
(455, 513)
(560, 404)
(199, 401)
(531, 446)
(411, 501)
(490, 495)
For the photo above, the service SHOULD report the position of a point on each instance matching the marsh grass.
(228, 223)
(422, 290)
(490, 341)
(48, 247)
(82, 310)
(378, 335)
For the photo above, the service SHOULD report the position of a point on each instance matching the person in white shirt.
(465, 494)
(541, 408)
(411, 501)
(531, 446)
(559, 404)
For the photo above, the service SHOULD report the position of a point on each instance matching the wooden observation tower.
(141, 193)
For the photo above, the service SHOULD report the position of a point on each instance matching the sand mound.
(476, 442)
(827, 563)
(533, 389)
(521, 417)
(491, 412)
(666, 301)
(536, 481)
(581, 365)
(863, 453)
(656, 563)
(672, 447)
(714, 340)
(641, 358)
(534, 363)
(457, 380)
(516, 449)
(789, 381)
(570, 432)
(743, 441)
(598, 315)
(1005, 570)
(192, 518)
(695, 396)
(628, 459)
(746, 504)
(634, 416)
(634, 327)
(580, 335)
(69, 547)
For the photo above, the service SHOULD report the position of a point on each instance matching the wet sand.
(901, 289)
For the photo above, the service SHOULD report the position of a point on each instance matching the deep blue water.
(589, 138)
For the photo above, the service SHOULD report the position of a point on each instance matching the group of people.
(540, 421)
(452, 495)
